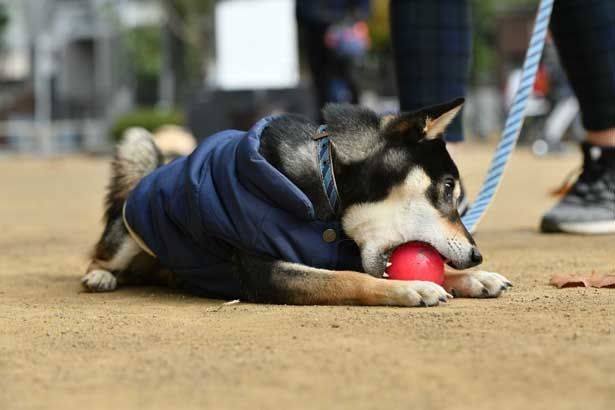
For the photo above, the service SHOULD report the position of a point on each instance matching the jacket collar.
(264, 180)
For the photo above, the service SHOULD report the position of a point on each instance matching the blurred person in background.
(334, 33)
(432, 43)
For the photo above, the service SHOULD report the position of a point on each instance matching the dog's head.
(398, 183)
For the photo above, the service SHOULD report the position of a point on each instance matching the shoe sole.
(583, 228)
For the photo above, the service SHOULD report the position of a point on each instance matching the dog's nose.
(476, 257)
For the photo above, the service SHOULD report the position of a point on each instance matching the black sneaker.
(589, 206)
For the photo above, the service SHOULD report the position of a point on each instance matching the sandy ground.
(534, 348)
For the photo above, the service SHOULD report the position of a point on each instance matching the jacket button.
(329, 235)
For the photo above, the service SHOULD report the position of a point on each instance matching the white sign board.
(256, 44)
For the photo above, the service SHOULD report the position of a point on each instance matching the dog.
(291, 212)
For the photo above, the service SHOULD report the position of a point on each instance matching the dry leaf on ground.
(589, 281)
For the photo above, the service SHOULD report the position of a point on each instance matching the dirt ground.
(534, 348)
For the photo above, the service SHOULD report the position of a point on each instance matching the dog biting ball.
(416, 261)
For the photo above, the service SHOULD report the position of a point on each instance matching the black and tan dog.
(393, 182)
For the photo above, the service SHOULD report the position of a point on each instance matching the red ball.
(416, 261)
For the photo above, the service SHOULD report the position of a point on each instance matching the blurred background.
(75, 73)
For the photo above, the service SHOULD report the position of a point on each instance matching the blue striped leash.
(514, 121)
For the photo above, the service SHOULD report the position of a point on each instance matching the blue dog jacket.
(194, 213)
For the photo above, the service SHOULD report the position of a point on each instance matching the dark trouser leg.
(432, 43)
(318, 61)
(584, 32)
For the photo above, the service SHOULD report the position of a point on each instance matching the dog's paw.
(99, 280)
(420, 293)
(478, 284)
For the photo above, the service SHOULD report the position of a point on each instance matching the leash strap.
(326, 167)
(514, 121)
(135, 236)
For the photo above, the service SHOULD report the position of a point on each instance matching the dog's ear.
(438, 117)
(426, 123)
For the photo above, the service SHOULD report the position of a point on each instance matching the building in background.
(63, 78)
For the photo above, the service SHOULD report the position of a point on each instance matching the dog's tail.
(136, 156)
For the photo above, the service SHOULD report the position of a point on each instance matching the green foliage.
(150, 119)
(484, 19)
(194, 21)
(189, 21)
(4, 19)
(379, 25)
(144, 46)
(193, 7)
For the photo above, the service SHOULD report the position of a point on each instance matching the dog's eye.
(449, 184)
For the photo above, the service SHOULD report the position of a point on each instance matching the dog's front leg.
(271, 281)
(477, 284)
